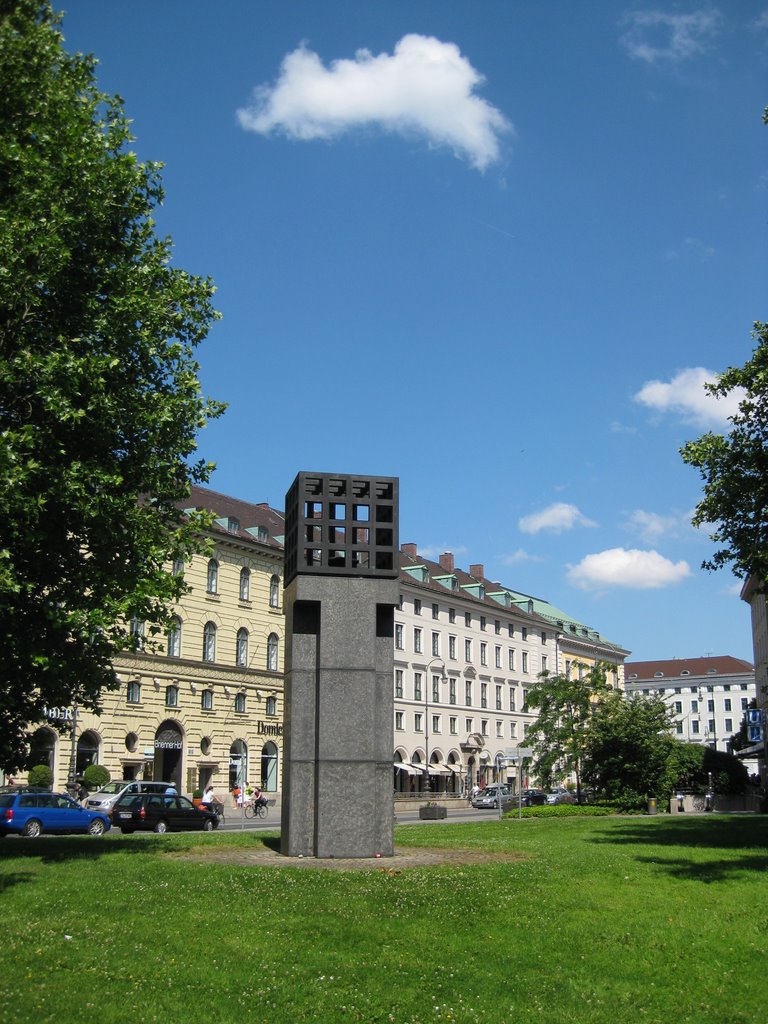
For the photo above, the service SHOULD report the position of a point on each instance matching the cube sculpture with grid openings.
(341, 575)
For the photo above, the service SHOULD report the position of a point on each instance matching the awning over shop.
(457, 769)
(408, 768)
(439, 769)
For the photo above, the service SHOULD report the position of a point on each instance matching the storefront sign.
(269, 728)
(168, 744)
(62, 714)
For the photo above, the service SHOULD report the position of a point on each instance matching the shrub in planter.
(40, 775)
(95, 776)
(197, 797)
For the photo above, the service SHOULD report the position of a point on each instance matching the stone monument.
(341, 588)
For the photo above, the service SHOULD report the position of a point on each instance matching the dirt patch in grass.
(404, 857)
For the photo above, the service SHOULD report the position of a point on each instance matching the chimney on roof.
(446, 561)
(477, 570)
(409, 549)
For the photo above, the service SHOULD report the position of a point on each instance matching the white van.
(105, 798)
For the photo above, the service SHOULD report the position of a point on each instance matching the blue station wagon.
(31, 814)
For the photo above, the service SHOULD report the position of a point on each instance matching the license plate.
(125, 814)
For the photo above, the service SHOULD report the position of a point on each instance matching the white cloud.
(693, 248)
(658, 36)
(556, 518)
(685, 395)
(519, 556)
(651, 526)
(424, 88)
(632, 569)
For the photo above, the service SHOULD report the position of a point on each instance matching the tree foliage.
(628, 751)
(565, 705)
(100, 401)
(734, 468)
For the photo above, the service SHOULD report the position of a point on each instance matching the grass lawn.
(600, 920)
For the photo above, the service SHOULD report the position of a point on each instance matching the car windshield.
(111, 787)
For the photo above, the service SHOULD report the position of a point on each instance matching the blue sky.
(490, 248)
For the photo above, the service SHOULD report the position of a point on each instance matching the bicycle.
(255, 809)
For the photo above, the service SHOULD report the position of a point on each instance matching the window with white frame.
(274, 591)
(499, 730)
(435, 611)
(399, 721)
(482, 623)
(209, 641)
(468, 693)
(133, 692)
(240, 703)
(467, 619)
(452, 648)
(436, 724)
(543, 663)
(498, 698)
(206, 700)
(171, 696)
(524, 632)
(467, 650)
(513, 730)
(417, 640)
(469, 724)
(417, 694)
(435, 644)
(245, 584)
(398, 637)
(483, 653)
(451, 690)
(453, 725)
(483, 695)
(174, 638)
(512, 700)
(417, 722)
(484, 726)
(525, 661)
(212, 578)
(498, 657)
(398, 682)
(241, 648)
(451, 615)
(271, 706)
(416, 606)
(272, 645)
(435, 689)
(511, 659)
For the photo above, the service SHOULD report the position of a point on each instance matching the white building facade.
(708, 696)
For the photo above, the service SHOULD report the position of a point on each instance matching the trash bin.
(652, 808)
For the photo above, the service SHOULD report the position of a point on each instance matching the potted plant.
(197, 797)
(95, 776)
(433, 810)
(41, 775)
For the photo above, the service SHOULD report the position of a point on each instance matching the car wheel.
(32, 829)
(161, 826)
(208, 825)
(127, 831)
(96, 828)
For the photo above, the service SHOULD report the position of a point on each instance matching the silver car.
(489, 797)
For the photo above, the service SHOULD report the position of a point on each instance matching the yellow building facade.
(205, 703)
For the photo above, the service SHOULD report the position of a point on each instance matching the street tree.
(628, 750)
(734, 468)
(565, 705)
(100, 401)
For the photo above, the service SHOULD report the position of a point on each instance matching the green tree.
(565, 705)
(628, 750)
(696, 766)
(100, 401)
(734, 468)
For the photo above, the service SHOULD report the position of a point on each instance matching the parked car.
(104, 799)
(533, 797)
(560, 796)
(157, 813)
(30, 814)
(489, 797)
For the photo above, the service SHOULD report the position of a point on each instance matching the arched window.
(245, 584)
(269, 767)
(272, 652)
(209, 641)
(271, 705)
(174, 638)
(87, 750)
(241, 648)
(274, 592)
(212, 585)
